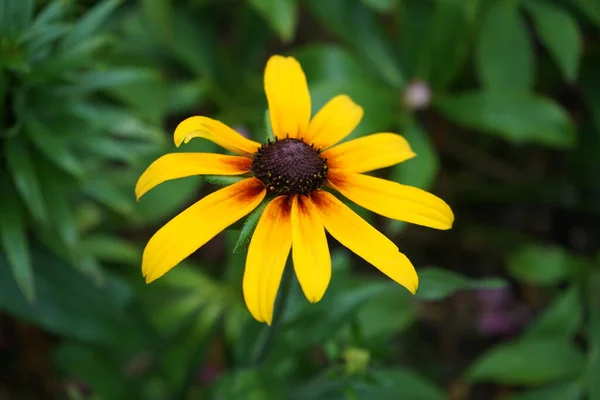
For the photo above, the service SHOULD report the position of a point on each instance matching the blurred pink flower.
(499, 314)
(417, 95)
(207, 373)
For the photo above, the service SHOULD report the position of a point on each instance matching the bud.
(356, 360)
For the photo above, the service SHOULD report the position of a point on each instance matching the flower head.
(296, 173)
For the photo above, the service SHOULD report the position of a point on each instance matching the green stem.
(268, 336)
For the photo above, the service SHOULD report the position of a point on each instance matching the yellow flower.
(295, 168)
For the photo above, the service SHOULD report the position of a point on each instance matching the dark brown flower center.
(289, 166)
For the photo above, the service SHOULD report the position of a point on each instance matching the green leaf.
(563, 391)
(269, 136)
(187, 308)
(528, 363)
(559, 33)
(15, 16)
(46, 28)
(185, 96)
(252, 383)
(541, 265)
(97, 368)
(591, 9)
(446, 42)
(193, 42)
(21, 164)
(105, 192)
(282, 15)
(37, 41)
(503, 54)
(111, 249)
(69, 304)
(397, 383)
(13, 237)
(89, 24)
(181, 294)
(50, 13)
(168, 199)
(180, 363)
(108, 147)
(247, 52)
(146, 96)
(331, 63)
(357, 25)
(561, 319)
(160, 14)
(383, 6)
(310, 327)
(248, 229)
(437, 284)
(75, 56)
(88, 266)
(57, 193)
(114, 77)
(222, 180)
(518, 117)
(116, 120)
(389, 313)
(415, 23)
(53, 147)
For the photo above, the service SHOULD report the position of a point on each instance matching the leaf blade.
(22, 168)
(437, 284)
(13, 237)
(528, 363)
(89, 24)
(282, 15)
(518, 117)
(503, 51)
(560, 34)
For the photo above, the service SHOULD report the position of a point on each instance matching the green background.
(500, 100)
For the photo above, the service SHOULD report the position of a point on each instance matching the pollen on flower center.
(289, 166)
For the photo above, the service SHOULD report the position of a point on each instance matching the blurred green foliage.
(500, 100)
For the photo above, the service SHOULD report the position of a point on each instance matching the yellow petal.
(288, 97)
(180, 165)
(369, 153)
(195, 226)
(393, 200)
(336, 120)
(310, 252)
(215, 131)
(367, 242)
(267, 254)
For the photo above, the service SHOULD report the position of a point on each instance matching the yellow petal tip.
(315, 298)
(414, 289)
(267, 321)
(178, 140)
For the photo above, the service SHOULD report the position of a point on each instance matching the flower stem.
(268, 336)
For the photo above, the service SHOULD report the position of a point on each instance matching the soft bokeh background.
(499, 98)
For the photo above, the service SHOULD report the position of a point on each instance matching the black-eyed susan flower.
(297, 171)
